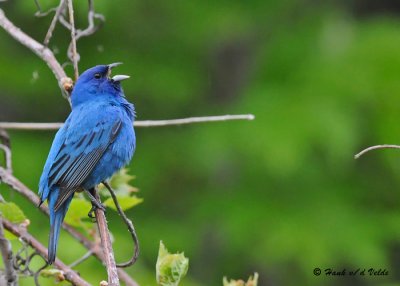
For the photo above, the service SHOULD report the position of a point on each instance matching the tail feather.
(56, 220)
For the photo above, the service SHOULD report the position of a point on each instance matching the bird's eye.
(97, 76)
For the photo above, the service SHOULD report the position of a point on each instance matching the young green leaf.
(250, 282)
(124, 201)
(120, 184)
(123, 190)
(56, 273)
(12, 212)
(170, 268)
(78, 213)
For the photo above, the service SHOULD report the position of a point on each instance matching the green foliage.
(78, 213)
(58, 275)
(170, 268)
(12, 212)
(323, 84)
(252, 281)
(124, 191)
(125, 202)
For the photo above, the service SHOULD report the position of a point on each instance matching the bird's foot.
(96, 206)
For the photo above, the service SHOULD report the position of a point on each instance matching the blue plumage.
(96, 140)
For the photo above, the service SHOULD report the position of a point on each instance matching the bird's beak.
(110, 66)
(120, 77)
(116, 77)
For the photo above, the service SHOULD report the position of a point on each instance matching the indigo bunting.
(96, 140)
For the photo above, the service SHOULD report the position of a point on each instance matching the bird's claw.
(96, 206)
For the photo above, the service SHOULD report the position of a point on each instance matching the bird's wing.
(88, 136)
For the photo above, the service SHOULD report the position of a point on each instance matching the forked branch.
(64, 82)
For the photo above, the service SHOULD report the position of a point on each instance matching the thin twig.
(5, 138)
(130, 226)
(107, 245)
(385, 146)
(37, 273)
(21, 232)
(19, 187)
(8, 258)
(140, 123)
(41, 51)
(7, 154)
(91, 28)
(74, 56)
(80, 260)
(49, 33)
(5, 145)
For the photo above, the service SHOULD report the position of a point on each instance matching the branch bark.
(74, 55)
(140, 123)
(41, 51)
(19, 187)
(129, 225)
(22, 233)
(107, 246)
(385, 146)
(11, 278)
(49, 33)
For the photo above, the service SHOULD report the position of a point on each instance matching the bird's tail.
(56, 219)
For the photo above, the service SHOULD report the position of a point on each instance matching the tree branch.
(8, 259)
(19, 187)
(139, 123)
(7, 155)
(64, 82)
(130, 226)
(22, 233)
(385, 146)
(91, 28)
(74, 54)
(49, 33)
(107, 245)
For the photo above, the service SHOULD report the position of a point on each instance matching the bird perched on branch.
(96, 140)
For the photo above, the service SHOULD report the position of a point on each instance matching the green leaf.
(123, 190)
(124, 201)
(12, 212)
(250, 282)
(120, 184)
(170, 268)
(57, 274)
(78, 213)
(9, 236)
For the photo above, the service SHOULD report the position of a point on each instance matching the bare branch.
(80, 260)
(74, 56)
(374, 148)
(41, 51)
(49, 33)
(11, 277)
(130, 226)
(91, 28)
(107, 245)
(5, 145)
(19, 187)
(7, 153)
(20, 231)
(143, 123)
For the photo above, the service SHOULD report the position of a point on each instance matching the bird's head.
(97, 82)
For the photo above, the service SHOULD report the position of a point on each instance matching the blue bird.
(96, 140)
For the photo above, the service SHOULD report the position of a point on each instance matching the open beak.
(117, 77)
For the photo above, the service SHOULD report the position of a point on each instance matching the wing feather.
(78, 157)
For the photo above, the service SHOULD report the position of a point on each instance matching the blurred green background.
(280, 195)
